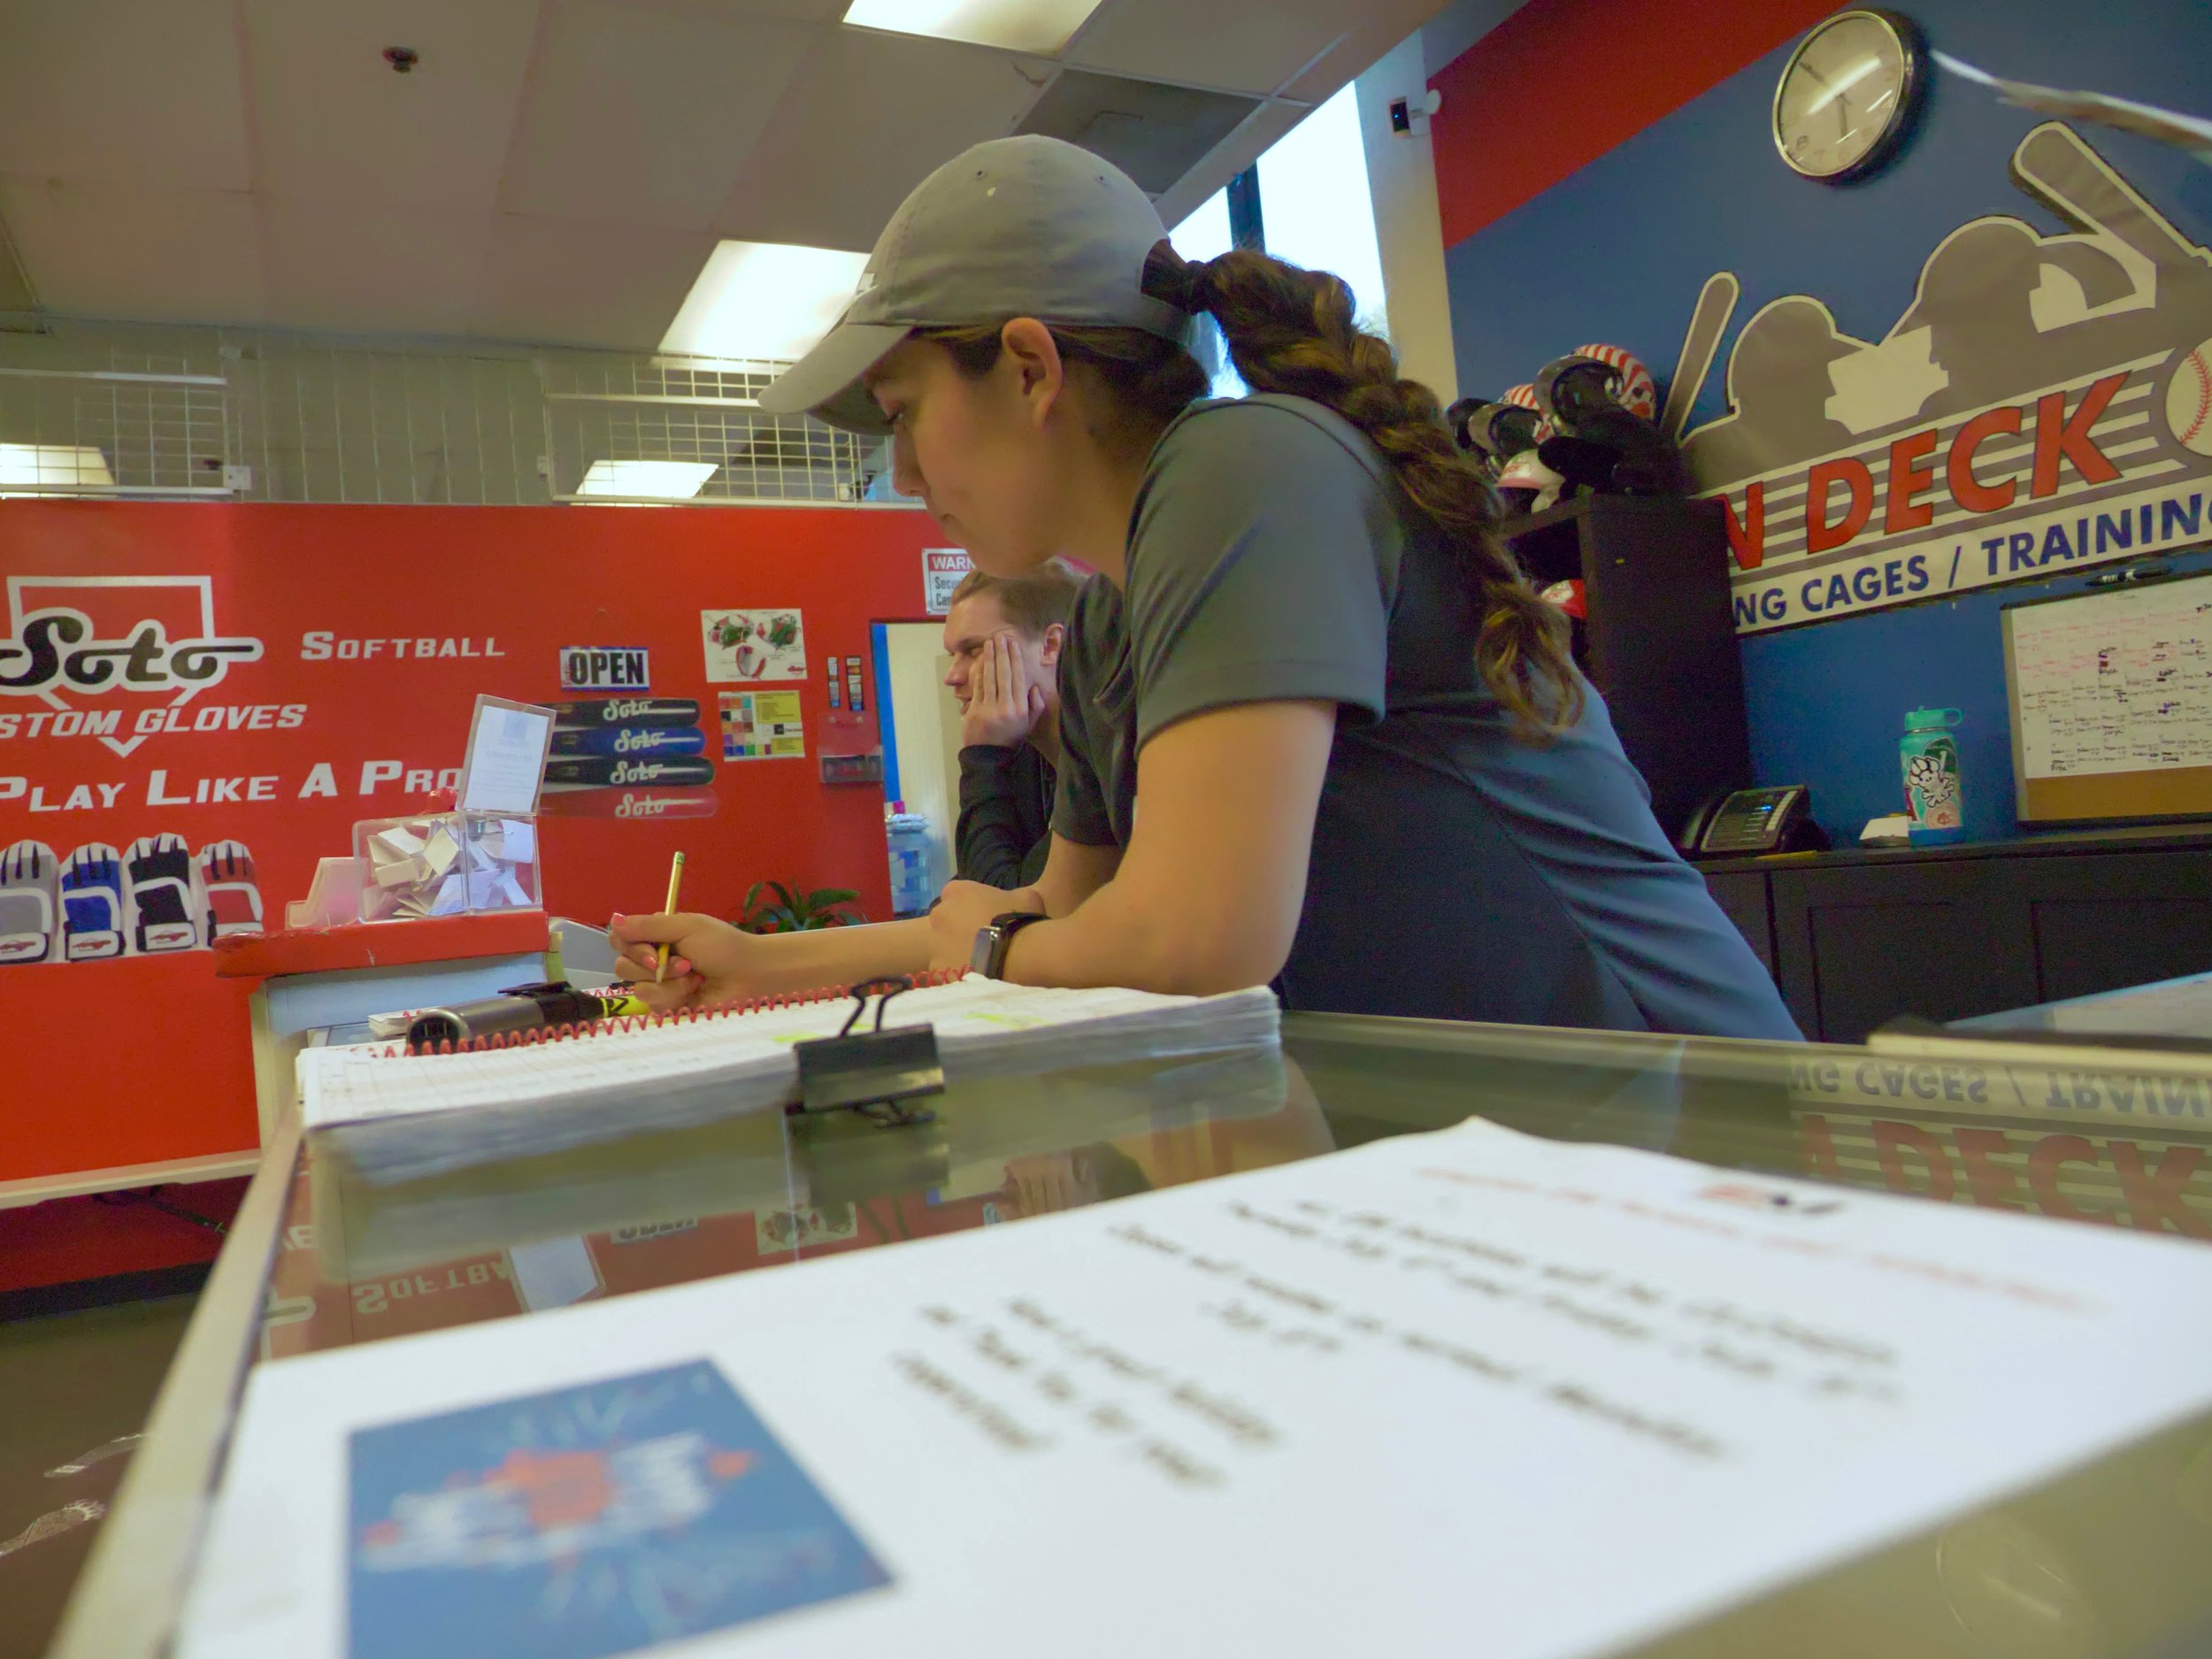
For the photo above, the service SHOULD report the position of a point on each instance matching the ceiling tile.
(1238, 45)
(1154, 134)
(867, 119)
(563, 282)
(555, 170)
(1369, 34)
(331, 121)
(641, 112)
(796, 11)
(148, 255)
(16, 293)
(143, 91)
(357, 270)
(1228, 158)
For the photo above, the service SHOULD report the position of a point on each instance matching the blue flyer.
(587, 1521)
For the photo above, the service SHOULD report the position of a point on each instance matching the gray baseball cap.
(1028, 227)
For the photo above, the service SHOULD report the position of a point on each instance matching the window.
(1315, 208)
(1205, 235)
(1315, 211)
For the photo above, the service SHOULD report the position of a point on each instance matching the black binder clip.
(872, 1073)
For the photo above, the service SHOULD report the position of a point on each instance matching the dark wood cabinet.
(1743, 897)
(1660, 639)
(1856, 947)
(1855, 939)
(2100, 923)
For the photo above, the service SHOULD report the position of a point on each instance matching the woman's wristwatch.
(992, 941)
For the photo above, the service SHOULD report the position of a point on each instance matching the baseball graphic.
(2189, 399)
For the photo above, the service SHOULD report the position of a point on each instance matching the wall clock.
(1848, 95)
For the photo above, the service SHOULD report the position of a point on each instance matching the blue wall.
(1827, 701)
(1617, 251)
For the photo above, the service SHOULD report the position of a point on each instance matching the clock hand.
(1837, 88)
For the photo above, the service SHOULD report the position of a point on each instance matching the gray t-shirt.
(1458, 871)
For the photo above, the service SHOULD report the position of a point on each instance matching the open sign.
(605, 668)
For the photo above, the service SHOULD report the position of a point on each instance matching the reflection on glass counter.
(361, 1262)
(2116, 1147)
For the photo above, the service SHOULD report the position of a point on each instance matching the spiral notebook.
(401, 1117)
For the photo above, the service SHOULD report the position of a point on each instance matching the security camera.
(1411, 115)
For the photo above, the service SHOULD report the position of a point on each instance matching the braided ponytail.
(1293, 332)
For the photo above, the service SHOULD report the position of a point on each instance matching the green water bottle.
(1935, 796)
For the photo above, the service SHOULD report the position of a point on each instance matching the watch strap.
(1000, 935)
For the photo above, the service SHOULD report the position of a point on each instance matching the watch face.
(989, 956)
(1843, 94)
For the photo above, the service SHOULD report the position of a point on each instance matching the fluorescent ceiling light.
(765, 301)
(1016, 26)
(68, 466)
(667, 480)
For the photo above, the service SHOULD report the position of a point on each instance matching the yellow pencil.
(675, 881)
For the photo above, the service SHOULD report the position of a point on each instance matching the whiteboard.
(2111, 701)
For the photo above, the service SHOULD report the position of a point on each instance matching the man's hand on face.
(1005, 703)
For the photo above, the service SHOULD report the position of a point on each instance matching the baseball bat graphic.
(631, 740)
(1708, 321)
(2053, 165)
(585, 713)
(608, 772)
(636, 804)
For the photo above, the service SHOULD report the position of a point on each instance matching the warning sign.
(942, 571)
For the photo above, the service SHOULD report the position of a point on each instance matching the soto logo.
(60, 647)
(95, 636)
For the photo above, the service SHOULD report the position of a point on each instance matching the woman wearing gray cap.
(1319, 729)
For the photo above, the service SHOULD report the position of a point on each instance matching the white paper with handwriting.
(1455, 1392)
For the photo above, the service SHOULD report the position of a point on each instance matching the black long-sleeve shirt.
(1005, 829)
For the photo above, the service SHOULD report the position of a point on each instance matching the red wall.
(1561, 82)
(145, 1058)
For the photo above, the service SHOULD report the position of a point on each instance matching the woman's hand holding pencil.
(708, 960)
(680, 957)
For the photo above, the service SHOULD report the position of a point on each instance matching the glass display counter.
(2110, 1560)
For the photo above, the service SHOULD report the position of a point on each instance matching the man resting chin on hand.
(1004, 636)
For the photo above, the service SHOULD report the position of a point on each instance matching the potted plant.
(770, 907)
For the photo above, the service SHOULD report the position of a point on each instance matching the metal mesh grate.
(698, 413)
(332, 423)
(151, 427)
(142, 409)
